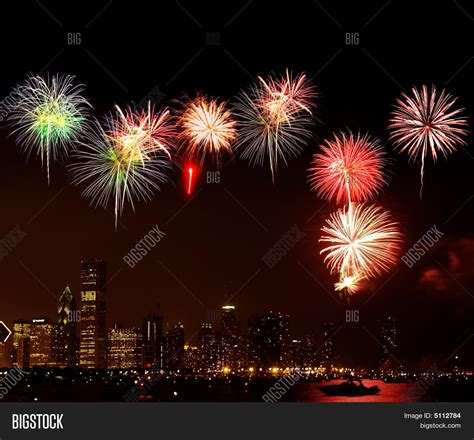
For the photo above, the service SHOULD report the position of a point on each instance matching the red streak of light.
(190, 179)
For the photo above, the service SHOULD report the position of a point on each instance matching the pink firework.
(349, 168)
(284, 97)
(274, 119)
(427, 121)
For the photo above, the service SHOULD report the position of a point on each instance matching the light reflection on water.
(389, 392)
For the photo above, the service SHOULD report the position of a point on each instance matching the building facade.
(65, 343)
(93, 330)
(124, 348)
(21, 331)
(269, 341)
(42, 343)
(152, 341)
(231, 351)
(174, 347)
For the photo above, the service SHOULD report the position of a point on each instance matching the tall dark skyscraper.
(230, 347)
(269, 340)
(152, 341)
(327, 352)
(174, 347)
(304, 352)
(208, 349)
(65, 341)
(388, 338)
(93, 334)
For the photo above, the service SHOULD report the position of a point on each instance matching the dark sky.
(214, 243)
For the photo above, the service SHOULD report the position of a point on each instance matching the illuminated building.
(42, 337)
(174, 347)
(191, 358)
(93, 332)
(65, 343)
(21, 330)
(208, 349)
(153, 341)
(125, 349)
(327, 352)
(388, 339)
(269, 340)
(309, 352)
(304, 352)
(230, 356)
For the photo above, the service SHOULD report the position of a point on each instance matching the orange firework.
(364, 242)
(348, 283)
(208, 128)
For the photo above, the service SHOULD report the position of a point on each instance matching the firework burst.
(427, 122)
(349, 284)
(363, 242)
(274, 119)
(49, 116)
(126, 159)
(208, 128)
(349, 168)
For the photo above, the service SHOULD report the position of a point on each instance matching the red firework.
(426, 122)
(350, 168)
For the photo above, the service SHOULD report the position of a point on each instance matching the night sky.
(215, 242)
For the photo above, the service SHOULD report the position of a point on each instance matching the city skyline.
(81, 338)
(67, 300)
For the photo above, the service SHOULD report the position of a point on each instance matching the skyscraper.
(152, 341)
(125, 348)
(21, 330)
(174, 347)
(208, 349)
(304, 352)
(65, 343)
(269, 340)
(388, 339)
(327, 352)
(23, 353)
(191, 358)
(230, 344)
(42, 337)
(93, 333)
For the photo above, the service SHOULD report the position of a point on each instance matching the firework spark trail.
(427, 122)
(275, 116)
(348, 165)
(127, 159)
(208, 128)
(190, 180)
(49, 115)
(364, 244)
